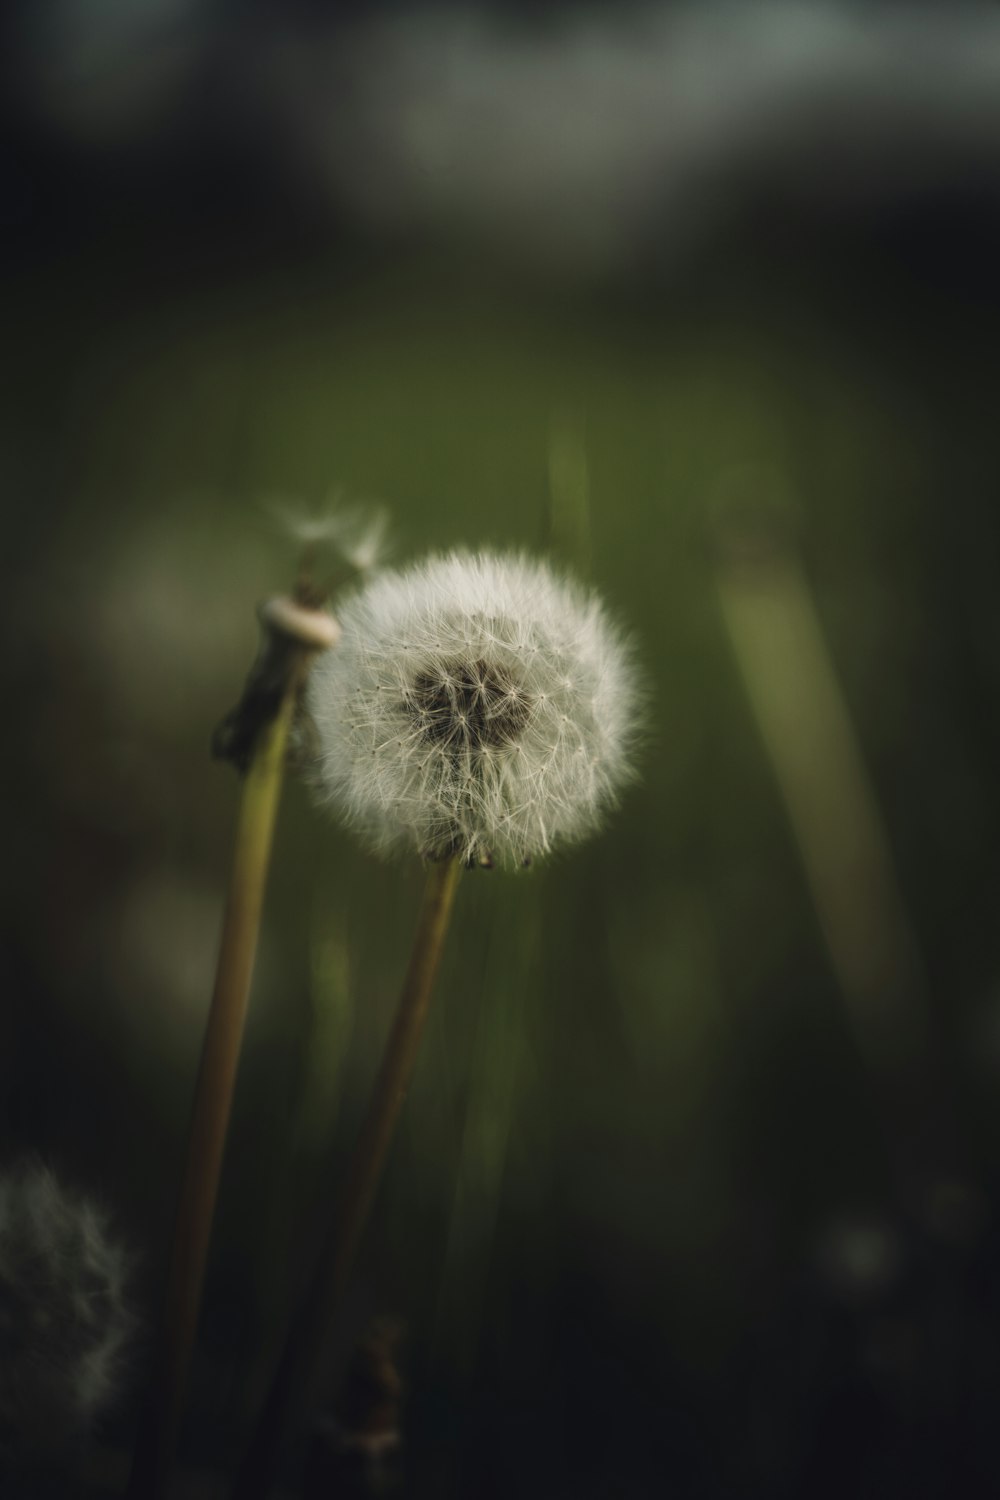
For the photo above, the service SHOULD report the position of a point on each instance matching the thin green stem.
(311, 1327)
(214, 1092)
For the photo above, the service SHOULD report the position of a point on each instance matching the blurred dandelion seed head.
(356, 533)
(64, 1320)
(477, 705)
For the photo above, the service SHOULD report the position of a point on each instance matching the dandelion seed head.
(359, 533)
(477, 705)
(64, 1320)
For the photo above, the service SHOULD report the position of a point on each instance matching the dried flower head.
(63, 1314)
(476, 706)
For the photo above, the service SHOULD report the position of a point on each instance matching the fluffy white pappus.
(64, 1320)
(477, 706)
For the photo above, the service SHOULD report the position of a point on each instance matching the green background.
(645, 1124)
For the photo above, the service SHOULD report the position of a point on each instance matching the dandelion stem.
(215, 1085)
(316, 1314)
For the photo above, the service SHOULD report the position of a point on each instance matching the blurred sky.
(593, 137)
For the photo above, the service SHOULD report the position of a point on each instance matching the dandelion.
(64, 1321)
(478, 707)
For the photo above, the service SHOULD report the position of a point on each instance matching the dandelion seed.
(482, 677)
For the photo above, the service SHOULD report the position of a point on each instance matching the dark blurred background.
(696, 1189)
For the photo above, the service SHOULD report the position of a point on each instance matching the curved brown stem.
(315, 1316)
(214, 1090)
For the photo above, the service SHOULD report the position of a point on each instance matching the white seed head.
(476, 706)
(63, 1314)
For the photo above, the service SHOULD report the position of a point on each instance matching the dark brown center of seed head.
(469, 704)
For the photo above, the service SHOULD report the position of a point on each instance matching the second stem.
(317, 1313)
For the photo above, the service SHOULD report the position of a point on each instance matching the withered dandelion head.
(476, 706)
